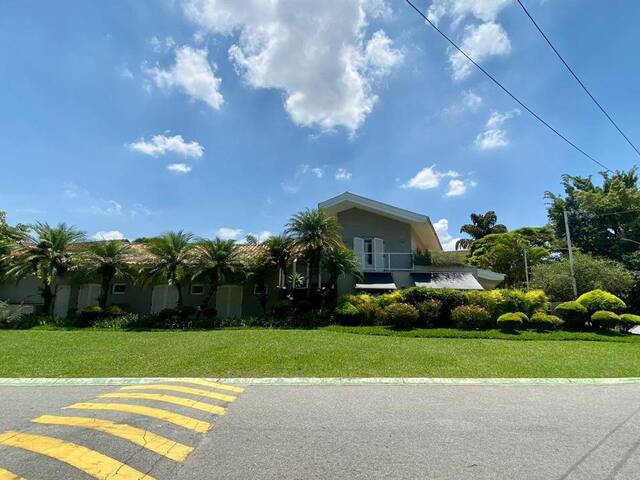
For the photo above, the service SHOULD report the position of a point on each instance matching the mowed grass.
(319, 353)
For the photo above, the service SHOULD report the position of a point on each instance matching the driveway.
(298, 432)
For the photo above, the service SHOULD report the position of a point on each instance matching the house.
(385, 238)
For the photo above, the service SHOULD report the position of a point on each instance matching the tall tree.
(481, 225)
(341, 261)
(280, 250)
(258, 269)
(315, 234)
(46, 255)
(107, 260)
(169, 259)
(216, 261)
(10, 239)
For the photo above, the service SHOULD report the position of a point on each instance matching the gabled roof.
(421, 223)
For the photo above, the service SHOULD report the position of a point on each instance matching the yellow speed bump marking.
(207, 383)
(160, 414)
(161, 445)
(89, 461)
(183, 402)
(189, 390)
(7, 475)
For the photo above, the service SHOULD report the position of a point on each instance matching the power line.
(555, 50)
(504, 89)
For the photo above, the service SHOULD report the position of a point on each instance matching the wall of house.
(361, 223)
(26, 291)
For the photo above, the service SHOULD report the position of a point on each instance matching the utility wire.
(504, 89)
(555, 50)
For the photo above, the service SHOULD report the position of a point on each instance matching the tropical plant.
(315, 234)
(216, 261)
(107, 260)
(481, 225)
(169, 260)
(279, 248)
(258, 269)
(46, 255)
(338, 262)
(10, 238)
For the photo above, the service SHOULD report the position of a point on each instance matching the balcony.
(386, 261)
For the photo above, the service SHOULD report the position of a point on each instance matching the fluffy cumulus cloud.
(457, 187)
(181, 168)
(479, 42)
(193, 74)
(428, 178)
(109, 235)
(485, 10)
(446, 239)
(227, 233)
(495, 136)
(162, 144)
(342, 174)
(319, 56)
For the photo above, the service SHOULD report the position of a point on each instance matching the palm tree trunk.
(180, 299)
(211, 293)
(104, 290)
(47, 299)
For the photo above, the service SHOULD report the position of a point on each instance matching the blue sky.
(227, 116)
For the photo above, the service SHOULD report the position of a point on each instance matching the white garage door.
(163, 296)
(229, 301)
(88, 295)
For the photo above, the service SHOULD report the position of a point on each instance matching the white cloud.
(343, 174)
(497, 119)
(126, 73)
(262, 236)
(442, 229)
(71, 190)
(179, 168)
(428, 178)
(290, 187)
(319, 55)
(162, 44)
(479, 42)
(491, 139)
(318, 172)
(109, 235)
(458, 187)
(226, 233)
(109, 208)
(193, 74)
(161, 145)
(485, 10)
(470, 101)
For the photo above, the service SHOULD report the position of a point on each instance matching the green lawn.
(333, 351)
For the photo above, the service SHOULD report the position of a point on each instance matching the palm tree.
(341, 261)
(216, 260)
(279, 248)
(259, 268)
(315, 233)
(107, 260)
(169, 259)
(481, 225)
(46, 255)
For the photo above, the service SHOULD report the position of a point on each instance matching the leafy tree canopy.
(481, 225)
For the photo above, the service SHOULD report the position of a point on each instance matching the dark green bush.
(448, 298)
(628, 321)
(114, 311)
(121, 322)
(509, 301)
(471, 317)
(89, 315)
(401, 316)
(542, 321)
(13, 318)
(347, 314)
(511, 321)
(603, 319)
(573, 314)
(596, 300)
(429, 312)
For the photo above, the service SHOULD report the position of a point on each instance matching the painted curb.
(310, 381)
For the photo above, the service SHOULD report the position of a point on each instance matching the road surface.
(186, 431)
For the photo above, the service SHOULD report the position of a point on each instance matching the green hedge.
(542, 321)
(596, 300)
(512, 321)
(471, 317)
(573, 314)
(604, 319)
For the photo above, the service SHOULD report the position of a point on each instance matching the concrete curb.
(284, 381)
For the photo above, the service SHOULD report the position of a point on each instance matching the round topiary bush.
(512, 321)
(347, 314)
(114, 311)
(542, 321)
(596, 300)
(604, 319)
(429, 312)
(401, 316)
(573, 314)
(89, 315)
(628, 321)
(471, 317)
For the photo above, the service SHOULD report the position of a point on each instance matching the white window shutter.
(378, 254)
(358, 248)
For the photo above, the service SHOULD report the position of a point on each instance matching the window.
(368, 251)
(197, 289)
(119, 289)
(258, 290)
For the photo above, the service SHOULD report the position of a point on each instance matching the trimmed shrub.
(628, 321)
(114, 311)
(603, 319)
(347, 314)
(573, 314)
(471, 317)
(387, 299)
(401, 316)
(370, 313)
(542, 321)
(448, 298)
(510, 301)
(512, 321)
(429, 312)
(596, 300)
(535, 301)
(485, 299)
(497, 302)
(89, 315)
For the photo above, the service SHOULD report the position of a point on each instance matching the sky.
(225, 117)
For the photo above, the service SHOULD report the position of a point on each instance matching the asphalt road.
(328, 432)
